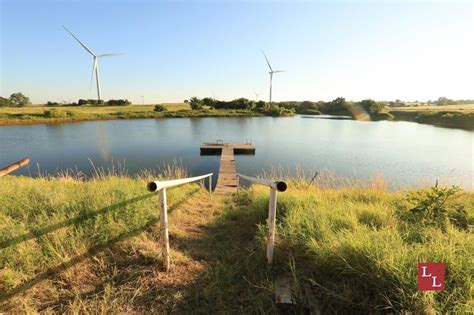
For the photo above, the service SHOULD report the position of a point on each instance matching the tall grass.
(74, 244)
(357, 253)
(50, 225)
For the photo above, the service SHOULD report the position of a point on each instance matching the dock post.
(164, 228)
(271, 224)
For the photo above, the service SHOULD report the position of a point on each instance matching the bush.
(49, 103)
(273, 110)
(159, 108)
(119, 102)
(195, 103)
(432, 208)
(371, 106)
(53, 113)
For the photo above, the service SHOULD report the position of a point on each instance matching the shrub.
(195, 103)
(53, 113)
(119, 102)
(159, 108)
(431, 208)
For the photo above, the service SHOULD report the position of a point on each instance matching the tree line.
(92, 102)
(337, 106)
(242, 103)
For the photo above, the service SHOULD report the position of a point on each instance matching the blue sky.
(174, 50)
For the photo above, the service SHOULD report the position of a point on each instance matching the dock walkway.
(227, 181)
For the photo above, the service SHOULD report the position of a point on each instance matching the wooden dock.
(227, 181)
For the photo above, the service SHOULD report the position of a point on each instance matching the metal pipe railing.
(161, 186)
(275, 185)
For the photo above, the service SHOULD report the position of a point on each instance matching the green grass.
(354, 250)
(40, 114)
(69, 245)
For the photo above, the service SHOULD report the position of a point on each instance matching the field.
(41, 114)
(68, 245)
(452, 116)
(91, 110)
(468, 108)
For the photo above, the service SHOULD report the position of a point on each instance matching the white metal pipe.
(164, 228)
(210, 184)
(271, 224)
(157, 185)
(274, 184)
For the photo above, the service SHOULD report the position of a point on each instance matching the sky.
(385, 50)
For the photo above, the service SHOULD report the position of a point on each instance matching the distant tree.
(195, 103)
(5, 102)
(444, 101)
(305, 106)
(159, 108)
(119, 102)
(82, 102)
(370, 106)
(18, 99)
(273, 110)
(260, 104)
(186, 101)
(208, 101)
(49, 103)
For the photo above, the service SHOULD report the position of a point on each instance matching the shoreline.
(5, 122)
(443, 119)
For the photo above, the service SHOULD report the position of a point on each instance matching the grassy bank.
(441, 118)
(40, 114)
(451, 116)
(94, 246)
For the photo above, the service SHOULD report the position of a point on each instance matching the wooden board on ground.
(283, 298)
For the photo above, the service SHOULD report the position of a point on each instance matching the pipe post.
(210, 184)
(164, 228)
(271, 224)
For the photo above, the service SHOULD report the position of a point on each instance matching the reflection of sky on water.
(402, 152)
(102, 142)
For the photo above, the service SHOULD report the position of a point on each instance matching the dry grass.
(467, 108)
(38, 109)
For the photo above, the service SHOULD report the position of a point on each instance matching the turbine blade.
(79, 41)
(277, 71)
(111, 55)
(268, 63)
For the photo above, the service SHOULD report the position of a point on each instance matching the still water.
(404, 153)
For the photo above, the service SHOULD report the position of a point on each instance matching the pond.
(404, 153)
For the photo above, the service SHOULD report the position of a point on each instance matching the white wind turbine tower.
(271, 74)
(95, 65)
(256, 96)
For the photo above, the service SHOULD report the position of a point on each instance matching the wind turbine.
(95, 65)
(256, 96)
(271, 74)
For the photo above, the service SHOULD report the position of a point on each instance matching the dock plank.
(227, 182)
